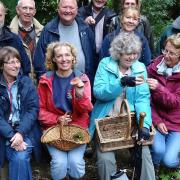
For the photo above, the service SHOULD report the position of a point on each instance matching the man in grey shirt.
(67, 27)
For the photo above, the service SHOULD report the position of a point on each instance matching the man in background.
(27, 27)
(7, 38)
(67, 27)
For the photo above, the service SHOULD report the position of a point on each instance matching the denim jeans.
(67, 162)
(165, 149)
(19, 162)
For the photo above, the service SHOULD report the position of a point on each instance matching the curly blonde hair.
(50, 54)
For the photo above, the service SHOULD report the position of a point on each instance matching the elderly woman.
(164, 82)
(118, 76)
(18, 116)
(129, 21)
(59, 96)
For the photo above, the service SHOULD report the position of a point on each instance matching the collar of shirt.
(25, 29)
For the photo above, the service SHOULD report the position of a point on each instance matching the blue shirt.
(62, 92)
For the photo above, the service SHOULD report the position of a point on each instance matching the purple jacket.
(166, 98)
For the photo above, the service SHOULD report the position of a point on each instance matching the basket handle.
(61, 125)
(124, 108)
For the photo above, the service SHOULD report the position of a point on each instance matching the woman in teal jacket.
(122, 76)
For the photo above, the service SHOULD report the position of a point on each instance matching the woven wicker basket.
(65, 137)
(119, 132)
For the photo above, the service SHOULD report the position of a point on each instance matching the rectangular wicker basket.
(118, 132)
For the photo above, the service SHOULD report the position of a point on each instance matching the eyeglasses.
(172, 54)
(12, 63)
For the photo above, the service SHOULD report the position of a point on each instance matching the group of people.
(110, 56)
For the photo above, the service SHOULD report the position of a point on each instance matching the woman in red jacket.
(164, 82)
(64, 90)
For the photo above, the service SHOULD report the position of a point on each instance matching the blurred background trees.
(159, 12)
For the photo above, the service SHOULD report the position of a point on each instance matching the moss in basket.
(78, 137)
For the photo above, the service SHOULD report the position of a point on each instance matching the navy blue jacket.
(7, 38)
(50, 34)
(145, 53)
(108, 14)
(28, 125)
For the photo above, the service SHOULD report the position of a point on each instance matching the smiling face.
(98, 4)
(11, 68)
(130, 19)
(63, 59)
(171, 55)
(67, 11)
(26, 11)
(126, 60)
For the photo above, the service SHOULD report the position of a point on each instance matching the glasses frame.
(11, 63)
(172, 54)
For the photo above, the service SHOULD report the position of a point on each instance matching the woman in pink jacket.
(64, 90)
(164, 82)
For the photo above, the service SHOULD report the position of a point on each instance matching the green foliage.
(167, 174)
(11, 10)
(46, 10)
(157, 12)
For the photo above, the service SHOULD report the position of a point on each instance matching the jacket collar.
(112, 66)
(52, 26)
(14, 26)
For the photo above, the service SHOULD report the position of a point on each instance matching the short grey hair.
(19, 2)
(125, 43)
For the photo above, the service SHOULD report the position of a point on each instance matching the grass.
(166, 174)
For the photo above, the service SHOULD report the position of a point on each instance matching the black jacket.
(86, 11)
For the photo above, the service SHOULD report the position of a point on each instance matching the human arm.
(29, 107)
(39, 54)
(146, 52)
(82, 96)
(104, 51)
(107, 85)
(162, 95)
(85, 12)
(142, 101)
(25, 62)
(47, 117)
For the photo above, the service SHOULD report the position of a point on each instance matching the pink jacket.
(48, 113)
(166, 98)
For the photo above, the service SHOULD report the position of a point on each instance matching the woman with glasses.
(18, 113)
(164, 82)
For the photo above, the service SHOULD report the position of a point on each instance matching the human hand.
(139, 80)
(16, 139)
(153, 83)
(162, 128)
(132, 81)
(79, 86)
(21, 147)
(143, 135)
(90, 20)
(65, 119)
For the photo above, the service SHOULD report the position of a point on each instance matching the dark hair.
(6, 53)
